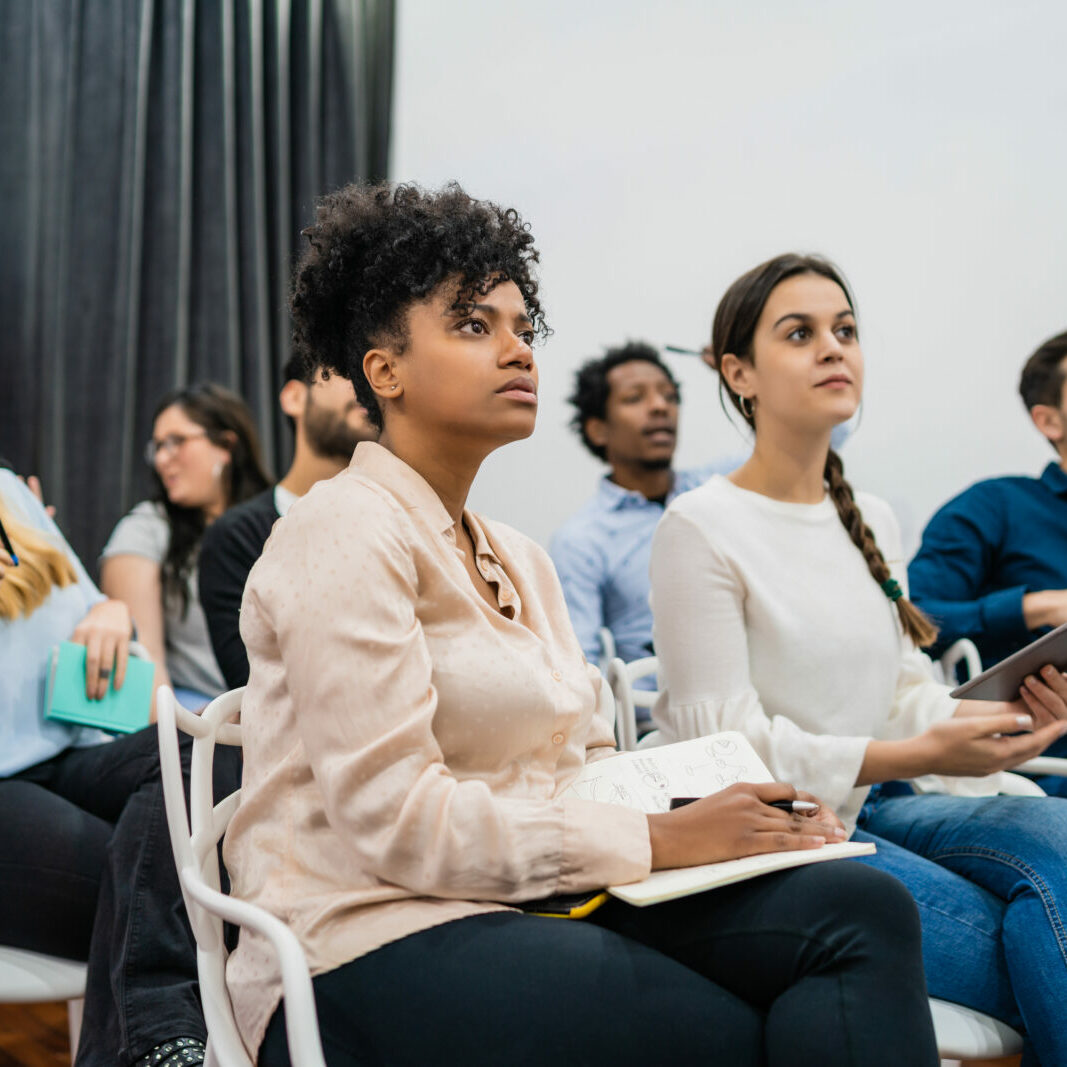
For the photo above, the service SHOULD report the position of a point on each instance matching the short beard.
(656, 464)
(329, 434)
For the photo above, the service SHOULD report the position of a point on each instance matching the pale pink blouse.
(405, 744)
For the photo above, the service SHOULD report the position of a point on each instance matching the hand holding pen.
(743, 820)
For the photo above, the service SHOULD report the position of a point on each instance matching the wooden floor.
(34, 1035)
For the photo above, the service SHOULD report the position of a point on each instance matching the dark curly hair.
(375, 249)
(229, 424)
(591, 389)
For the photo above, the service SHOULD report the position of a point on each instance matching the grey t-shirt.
(190, 660)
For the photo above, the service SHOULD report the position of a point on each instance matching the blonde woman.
(86, 871)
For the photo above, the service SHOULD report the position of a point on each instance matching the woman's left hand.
(1042, 696)
(106, 633)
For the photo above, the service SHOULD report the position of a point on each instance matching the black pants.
(818, 965)
(86, 872)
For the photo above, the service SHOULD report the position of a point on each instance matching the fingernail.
(1049, 670)
(1024, 720)
(838, 832)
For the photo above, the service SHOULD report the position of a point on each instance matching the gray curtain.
(158, 160)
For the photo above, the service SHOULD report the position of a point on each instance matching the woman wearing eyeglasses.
(205, 457)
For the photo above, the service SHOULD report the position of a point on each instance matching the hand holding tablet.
(1004, 680)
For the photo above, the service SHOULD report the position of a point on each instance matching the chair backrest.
(621, 677)
(194, 839)
(607, 648)
(962, 651)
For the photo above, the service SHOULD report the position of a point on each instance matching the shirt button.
(557, 739)
(557, 676)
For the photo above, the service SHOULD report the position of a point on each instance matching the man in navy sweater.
(993, 561)
(328, 422)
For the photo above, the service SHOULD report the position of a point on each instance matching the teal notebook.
(120, 712)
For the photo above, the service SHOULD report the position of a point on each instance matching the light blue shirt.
(602, 556)
(26, 643)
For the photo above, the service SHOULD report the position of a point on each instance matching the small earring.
(741, 402)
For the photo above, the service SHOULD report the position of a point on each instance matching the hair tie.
(891, 588)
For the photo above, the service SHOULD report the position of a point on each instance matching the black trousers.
(818, 965)
(86, 872)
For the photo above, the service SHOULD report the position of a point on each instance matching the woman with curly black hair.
(205, 456)
(418, 703)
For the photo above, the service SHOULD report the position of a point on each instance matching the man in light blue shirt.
(626, 413)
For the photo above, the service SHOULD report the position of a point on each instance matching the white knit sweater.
(768, 621)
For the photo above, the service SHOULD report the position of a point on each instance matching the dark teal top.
(983, 551)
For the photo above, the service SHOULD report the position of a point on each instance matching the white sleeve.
(698, 601)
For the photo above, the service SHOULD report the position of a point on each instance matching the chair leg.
(74, 1024)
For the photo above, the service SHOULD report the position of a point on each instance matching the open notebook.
(648, 778)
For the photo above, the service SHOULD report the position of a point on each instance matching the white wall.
(660, 149)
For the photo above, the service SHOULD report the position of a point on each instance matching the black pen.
(8, 547)
(799, 807)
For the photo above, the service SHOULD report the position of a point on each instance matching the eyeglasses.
(171, 443)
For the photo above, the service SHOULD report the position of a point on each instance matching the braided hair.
(733, 330)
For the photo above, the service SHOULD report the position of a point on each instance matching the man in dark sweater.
(328, 423)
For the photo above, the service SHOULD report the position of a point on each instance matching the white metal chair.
(962, 651)
(965, 1034)
(607, 648)
(962, 1033)
(32, 977)
(194, 838)
(621, 677)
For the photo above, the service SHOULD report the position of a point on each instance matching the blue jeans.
(1054, 785)
(990, 878)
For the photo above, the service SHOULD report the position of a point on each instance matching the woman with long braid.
(780, 610)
